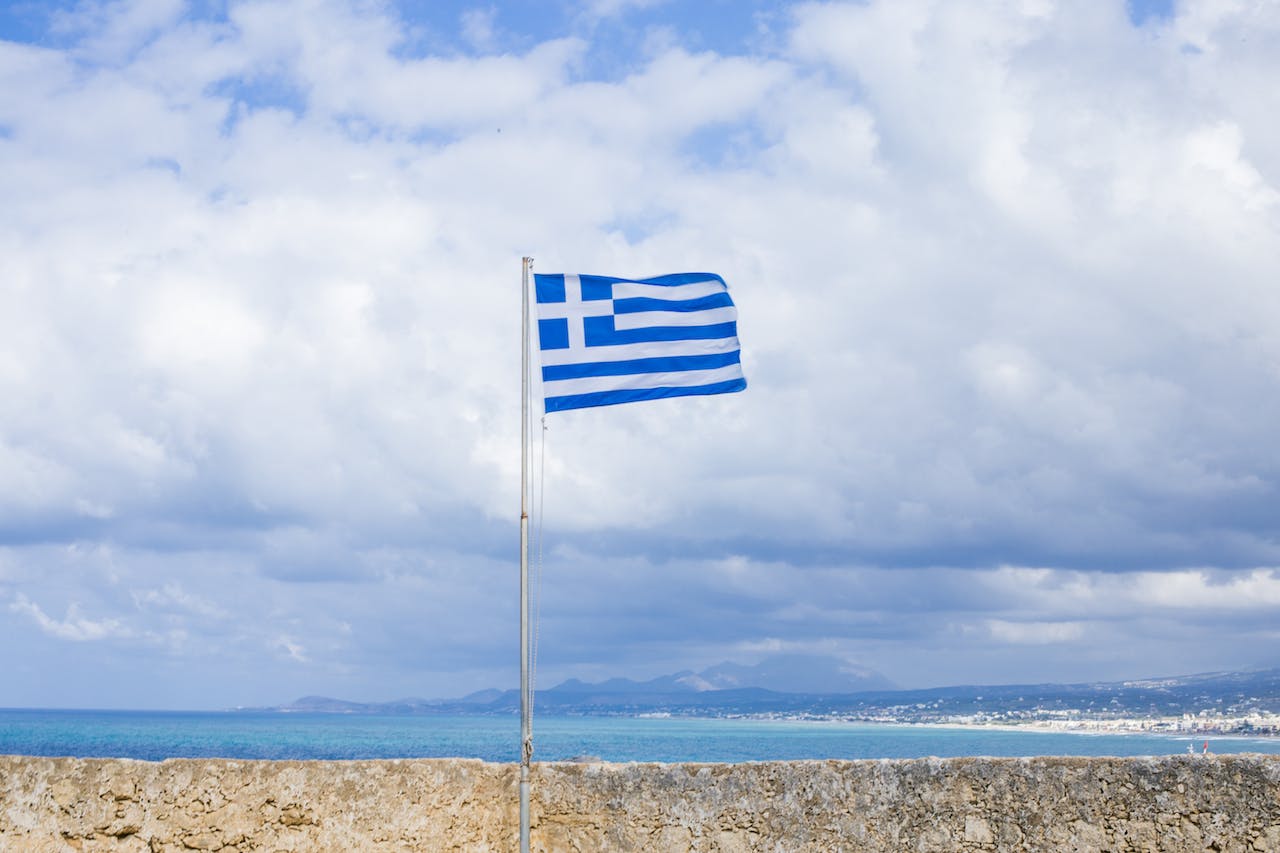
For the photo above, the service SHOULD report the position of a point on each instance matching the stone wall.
(1223, 803)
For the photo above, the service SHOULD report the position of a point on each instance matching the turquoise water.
(158, 735)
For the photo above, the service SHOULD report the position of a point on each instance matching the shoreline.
(1152, 726)
(1162, 727)
(1098, 731)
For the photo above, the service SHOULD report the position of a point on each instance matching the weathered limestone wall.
(1223, 803)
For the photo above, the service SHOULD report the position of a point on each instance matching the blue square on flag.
(606, 340)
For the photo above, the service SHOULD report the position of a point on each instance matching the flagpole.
(526, 711)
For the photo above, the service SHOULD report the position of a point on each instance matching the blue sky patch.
(1144, 11)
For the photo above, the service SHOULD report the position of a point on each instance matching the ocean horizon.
(248, 735)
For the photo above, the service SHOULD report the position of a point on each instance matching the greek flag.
(611, 340)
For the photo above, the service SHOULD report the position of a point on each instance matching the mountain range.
(822, 686)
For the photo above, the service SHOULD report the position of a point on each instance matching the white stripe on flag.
(697, 290)
(652, 319)
(627, 352)
(675, 379)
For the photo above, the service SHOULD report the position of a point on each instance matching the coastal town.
(1205, 723)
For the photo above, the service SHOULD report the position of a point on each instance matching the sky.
(1008, 280)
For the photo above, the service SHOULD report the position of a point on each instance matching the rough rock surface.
(1222, 803)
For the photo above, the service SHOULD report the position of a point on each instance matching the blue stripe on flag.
(601, 333)
(671, 280)
(610, 398)
(637, 304)
(667, 364)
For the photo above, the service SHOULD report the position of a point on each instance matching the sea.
(157, 735)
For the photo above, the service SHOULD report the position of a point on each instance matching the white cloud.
(598, 9)
(477, 27)
(1035, 633)
(1257, 589)
(1111, 595)
(75, 626)
(113, 29)
(292, 649)
(173, 597)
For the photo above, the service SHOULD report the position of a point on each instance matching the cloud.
(613, 8)
(477, 27)
(1258, 589)
(110, 31)
(1006, 285)
(1035, 633)
(75, 626)
(292, 648)
(173, 597)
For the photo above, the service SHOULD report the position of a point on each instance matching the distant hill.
(724, 686)
(795, 685)
(481, 697)
(796, 674)
(325, 705)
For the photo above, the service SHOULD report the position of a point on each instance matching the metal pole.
(526, 712)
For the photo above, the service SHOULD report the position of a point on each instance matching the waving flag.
(607, 340)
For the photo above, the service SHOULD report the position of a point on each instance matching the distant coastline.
(1241, 702)
(1253, 726)
(1102, 726)
(1261, 726)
